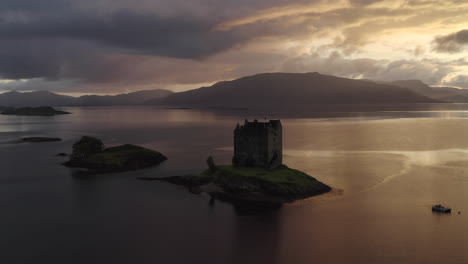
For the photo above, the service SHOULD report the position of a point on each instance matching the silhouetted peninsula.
(34, 111)
(39, 139)
(40, 98)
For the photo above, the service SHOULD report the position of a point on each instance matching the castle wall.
(275, 147)
(258, 144)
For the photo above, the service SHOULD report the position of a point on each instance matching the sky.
(114, 46)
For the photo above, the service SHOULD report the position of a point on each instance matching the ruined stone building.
(258, 144)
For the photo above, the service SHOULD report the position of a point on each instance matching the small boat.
(441, 209)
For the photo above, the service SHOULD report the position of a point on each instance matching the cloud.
(418, 51)
(40, 84)
(128, 72)
(284, 11)
(454, 42)
(121, 44)
(333, 64)
(57, 59)
(95, 48)
(66, 40)
(458, 81)
(427, 70)
(430, 71)
(162, 72)
(182, 37)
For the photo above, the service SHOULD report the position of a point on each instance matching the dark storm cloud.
(90, 40)
(19, 60)
(452, 43)
(53, 59)
(43, 46)
(34, 5)
(181, 37)
(67, 42)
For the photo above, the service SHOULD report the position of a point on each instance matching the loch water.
(386, 169)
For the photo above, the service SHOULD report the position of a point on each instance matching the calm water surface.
(386, 169)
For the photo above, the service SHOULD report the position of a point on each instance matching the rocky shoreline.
(251, 189)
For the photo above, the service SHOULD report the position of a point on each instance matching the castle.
(258, 144)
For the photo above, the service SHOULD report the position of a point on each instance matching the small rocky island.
(250, 187)
(34, 111)
(91, 154)
(257, 179)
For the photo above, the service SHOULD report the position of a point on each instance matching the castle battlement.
(258, 144)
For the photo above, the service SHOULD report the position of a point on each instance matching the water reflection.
(265, 246)
(390, 166)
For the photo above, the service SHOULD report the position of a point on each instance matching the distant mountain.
(293, 89)
(454, 95)
(447, 94)
(45, 98)
(135, 98)
(267, 90)
(34, 99)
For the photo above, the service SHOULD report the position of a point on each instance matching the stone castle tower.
(258, 144)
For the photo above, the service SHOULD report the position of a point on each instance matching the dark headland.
(38, 139)
(41, 98)
(34, 111)
(32, 140)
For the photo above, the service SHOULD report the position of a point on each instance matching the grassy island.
(34, 111)
(251, 187)
(90, 153)
(281, 181)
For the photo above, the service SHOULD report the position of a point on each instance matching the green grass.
(280, 175)
(280, 181)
